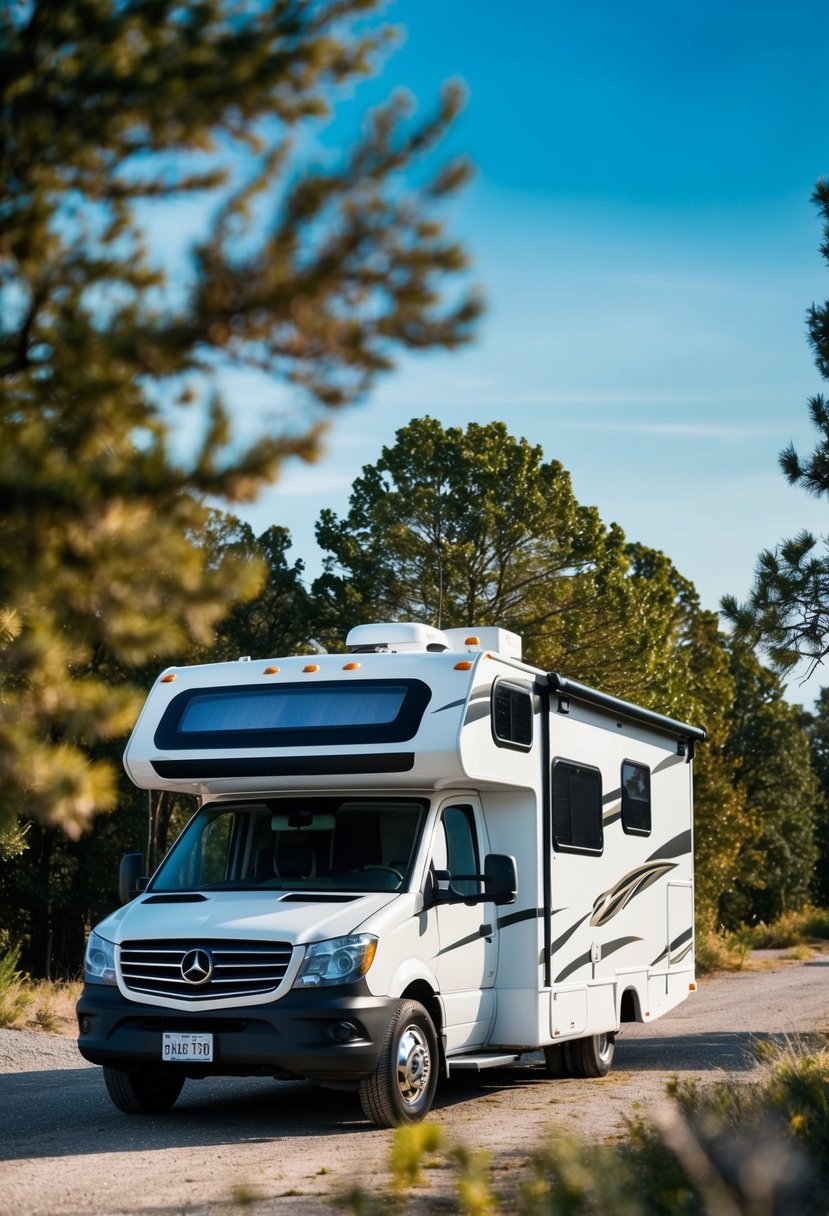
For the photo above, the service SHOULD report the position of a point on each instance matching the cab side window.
(458, 824)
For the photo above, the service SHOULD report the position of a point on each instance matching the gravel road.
(286, 1147)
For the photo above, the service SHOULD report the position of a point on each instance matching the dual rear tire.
(589, 1057)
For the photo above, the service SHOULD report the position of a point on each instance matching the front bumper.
(294, 1037)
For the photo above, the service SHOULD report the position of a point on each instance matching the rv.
(419, 856)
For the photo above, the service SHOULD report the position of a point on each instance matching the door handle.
(485, 931)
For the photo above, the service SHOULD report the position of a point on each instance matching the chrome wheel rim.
(414, 1065)
(604, 1047)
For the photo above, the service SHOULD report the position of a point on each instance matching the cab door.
(467, 958)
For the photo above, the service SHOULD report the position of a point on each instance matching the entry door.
(468, 935)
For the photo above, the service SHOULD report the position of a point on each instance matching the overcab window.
(293, 715)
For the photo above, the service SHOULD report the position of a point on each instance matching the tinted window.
(296, 844)
(636, 798)
(293, 715)
(577, 808)
(512, 716)
(461, 848)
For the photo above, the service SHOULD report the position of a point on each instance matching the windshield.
(296, 844)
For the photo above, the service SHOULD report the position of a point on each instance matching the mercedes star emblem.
(197, 966)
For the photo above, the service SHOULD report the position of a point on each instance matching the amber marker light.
(472, 642)
(168, 679)
(351, 666)
(270, 671)
(692, 987)
(464, 665)
(311, 667)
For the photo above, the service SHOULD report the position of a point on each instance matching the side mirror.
(498, 883)
(500, 878)
(131, 879)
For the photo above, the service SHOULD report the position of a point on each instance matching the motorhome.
(418, 856)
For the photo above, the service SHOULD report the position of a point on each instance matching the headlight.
(99, 961)
(338, 961)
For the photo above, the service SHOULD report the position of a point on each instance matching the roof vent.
(396, 636)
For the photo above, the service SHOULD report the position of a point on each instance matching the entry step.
(486, 1059)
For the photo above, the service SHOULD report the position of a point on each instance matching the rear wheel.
(402, 1088)
(555, 1061)
(142, 1093)
(591, 1057)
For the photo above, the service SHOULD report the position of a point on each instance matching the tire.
(402, 1088)
(591, 1057)
(556, 1064)
(142, 1094)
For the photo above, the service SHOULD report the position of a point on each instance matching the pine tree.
(787, 609)
(119, 120)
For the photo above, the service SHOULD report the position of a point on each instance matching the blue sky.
(641, 225)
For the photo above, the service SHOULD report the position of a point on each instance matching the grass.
(801, 933)
(27, 1004)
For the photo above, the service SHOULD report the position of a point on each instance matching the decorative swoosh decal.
(610, 903)
(584, 960)
(511, 918)
(514, 918)
(678, 847)
(559, 942)
(449, 705)
(686, 939)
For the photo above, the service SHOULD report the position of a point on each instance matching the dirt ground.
(281, 1147)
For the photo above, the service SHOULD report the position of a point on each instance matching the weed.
(15, 993)
(245, 1196)
(410, 1145)
(729, 1150)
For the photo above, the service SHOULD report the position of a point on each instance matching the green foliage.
(791, 929)
(770, 748)
(112, 361)
(473, 527)
(279, 620)
(15, 996)
(410, 1146)
(816, 726)
(787, 609)
(735, 1149)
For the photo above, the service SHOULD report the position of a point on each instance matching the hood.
(294, 917)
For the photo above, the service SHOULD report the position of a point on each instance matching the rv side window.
(512, 716)
(577, 808)
(636, 798)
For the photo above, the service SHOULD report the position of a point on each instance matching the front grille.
(217, 969)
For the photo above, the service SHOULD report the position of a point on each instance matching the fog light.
(341, 1032)
(84, 1025)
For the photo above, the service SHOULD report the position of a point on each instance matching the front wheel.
(142, 1093)
(402, 1088)
(591, 1057)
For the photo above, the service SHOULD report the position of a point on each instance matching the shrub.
(15, 995)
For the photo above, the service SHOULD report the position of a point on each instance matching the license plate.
(176, 1048)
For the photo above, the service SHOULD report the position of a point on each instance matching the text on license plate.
(178, 1047)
